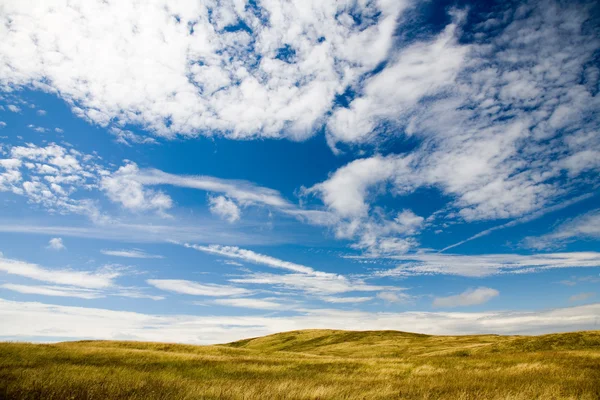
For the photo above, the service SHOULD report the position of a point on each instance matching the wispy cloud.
(393, 297)
(252, 257)
(586, 226)
(130, 253)
(522, 220)
(469, 297)
(345, 300)
(103, 278)
(582, 297)
(54, 291)
(258, 304)
(488, 264)
(303, 277)
(70, 282)
(197, 289)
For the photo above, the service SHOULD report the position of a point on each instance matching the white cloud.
(527, 218)
(56, 322)
(2, 124)
(586, 226)
(148, 232)
(54, 177)
(344, 300)
(347, 194)
(345, 191)
(234, 263)
(243, 192)
(197, 289)
(41, 113)
(303, 278)
(199, 76)
(393, 297)
(258, 304)
(315, 284)
(488, 264)
(131, 253)
(55, 291)
(49, 176)
(422, 69)
(251, 256)
(122, 187)
(224, 208)
(39, 129)
(513, 118)
(469, 297)
(69, 282)
(581, 297)
(56, 244)
(14, 108)
(100, 279)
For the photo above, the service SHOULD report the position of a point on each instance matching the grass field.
(313, 364)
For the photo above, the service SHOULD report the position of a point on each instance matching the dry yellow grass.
(314, 364)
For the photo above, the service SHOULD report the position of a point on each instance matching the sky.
(202, 172)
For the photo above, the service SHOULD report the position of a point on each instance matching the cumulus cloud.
(56, 244)
(122, 187)
(268, 69)
(49, 176)
(505, 125)
(55, 177)
(224, 208)
(348, 194)
(72, 323)
(469, 297)
(422, 69)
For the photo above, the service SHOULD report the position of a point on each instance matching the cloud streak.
(488, 264)
(470, 297)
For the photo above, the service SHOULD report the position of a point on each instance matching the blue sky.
(206, 171)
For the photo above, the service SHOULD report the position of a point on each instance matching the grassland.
(314, 364)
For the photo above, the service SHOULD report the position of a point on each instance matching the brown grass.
(313, 364)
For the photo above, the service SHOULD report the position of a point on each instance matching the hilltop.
(383, 344)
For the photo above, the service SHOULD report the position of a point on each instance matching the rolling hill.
(310, 364)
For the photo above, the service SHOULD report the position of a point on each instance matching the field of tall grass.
(313, 364)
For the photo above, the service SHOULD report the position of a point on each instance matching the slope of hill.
(312, 364)
(403, 344)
